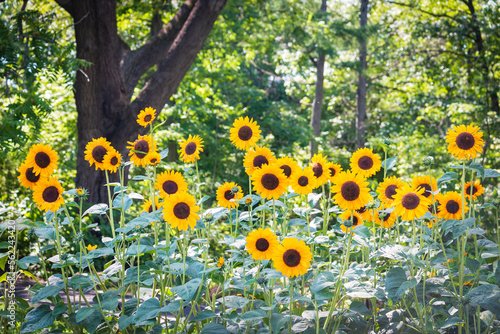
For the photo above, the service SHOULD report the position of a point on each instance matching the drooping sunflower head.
(140, 148)
(245, 133)
(288, 165)
(261, 244)
(148, 205)
(320, 170)
(146, 116)
(153, 158)
(354, 218)
(334, 170)
(27, 177)
(256, 157)
(170, 183)
(43, 159)
(410, 203)
(269, 181)
(428, 183)
(47, 194)
(191, 148)
(385, 219)
(96, 150)
(292, 258)
(303, 181)
(450, 206)
(229, 194)
(387, 189)
(365, 162)
(180, 211)
(112, 161)
(464, 141)
(351, 191)
(475, 190)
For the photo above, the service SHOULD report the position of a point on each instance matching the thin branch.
(440, 15)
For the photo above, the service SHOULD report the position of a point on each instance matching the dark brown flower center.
(270, 181)
(465, 141)
(362, 209)
(390, 191)
(467, 190)
(365, 162)
(245, 133)
(42, 159)
(332, 172)
(354, 220)
(114, 161)
(150, 209)
(147, 118)
(452, 206)
(303, 181)
(182, 210)
(262, 244)
(142, 148)
(30, 176)
(50, 194)
(98, 153)
(291, 258)
(260, 160)
(427, 187)
(350, 191)
(190, 148)
(286, 170)
(153, 160)
(410, 201)
(228, 195)
(170, 187)
(386, 217)
(317, 169)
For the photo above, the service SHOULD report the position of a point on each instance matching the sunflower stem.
(291, 306)
(111, 218)
(460, 254)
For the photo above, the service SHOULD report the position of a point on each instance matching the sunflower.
(476, 190)
(365, 162)
(351, 191)
(170, 183)
(334, 169)
(364, 213)
(256, 157)
(90, 247)
(387, 189)
(303, 182)
(153, 158)
(43, 159)
(450, 206)
(434, 208)
(146, 116)
(428, 183)
(148, 207)
(112, 161)
(27, 177)
(384, 219)
(464, 141)
(321, 172)
(410, 203)
(292, 258)
(261, 244)
(47, 194)
(229, 194)
(269, 181)
(180, 211)
(96, 150)
(245, 133)
(220, 263)
(191, 148)
(140, 148)
(288, 165)
(355, 217)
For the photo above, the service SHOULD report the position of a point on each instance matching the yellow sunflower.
(112, 161)
(180, 211)
(450, 206)
(27, 177)
(476, 190)
(191, 148)
(410, 203)
(140, 148)
(90, 247)
(43, 159)
(148, 207)
(365, 214)
(320, 170)
(355, 217)
(428, 183)
(387, 189)
(170, 183)
(288, 165)
(351, 191)
(303, 182)
(387, 220)
(146, 116)
(434, 208)
(153, 158)
(96, 150)
(220, 263)
(464, 141)
(365, 162)
(256, 157)
(228, 194)
(269, 181)
(292, 258)
(261, 244)
(245, 133)
(47, 194)
(334, 169)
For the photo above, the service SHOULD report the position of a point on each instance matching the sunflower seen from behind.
(180, 211)
(146, 116)
(475, 190)
(245, 133)
(320, 170)
(450, 206)
(261, 244)
(410, 203)
(365, 162)
(228, 194)
(112, 161)
(465, 141)
(351, 191)
(303, 182)
(191, 148)
(43, 159)
(140, 148)
(292, 257)
(427, 182)
(269, 181)
(170, 183)
(27, 177)
(256, 157)
(387, 189)
(47, 194)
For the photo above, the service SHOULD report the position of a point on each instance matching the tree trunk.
(318, 96)
(103, 90)
(361, 93)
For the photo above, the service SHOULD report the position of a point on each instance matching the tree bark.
(104, 89)
(362, 89)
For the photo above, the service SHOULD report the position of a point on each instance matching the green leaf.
(389, 163)
(59, 309)
(491, 173)
(109, 299)
(188, 290)
(96, 209)
(149, 309)
(313, 199)
(297, 222)
(451, 322)
(278, 321)
(100, 252)
(46, 233)
(235, 302)
(395, 278)
(164, 153)
(46, 292)
(254, 315)
(84, 313)
(29, 260)
(203, 199)
(478, 168)
(204, 315)
(447, 177)
(124, 322)
(360, 308)
(487, 296)
(394, 252)
(213, 328)
(79, 280)
(38, 318)
(356, 289)
(323, 280)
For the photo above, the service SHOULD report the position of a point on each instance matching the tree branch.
(440, 15)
